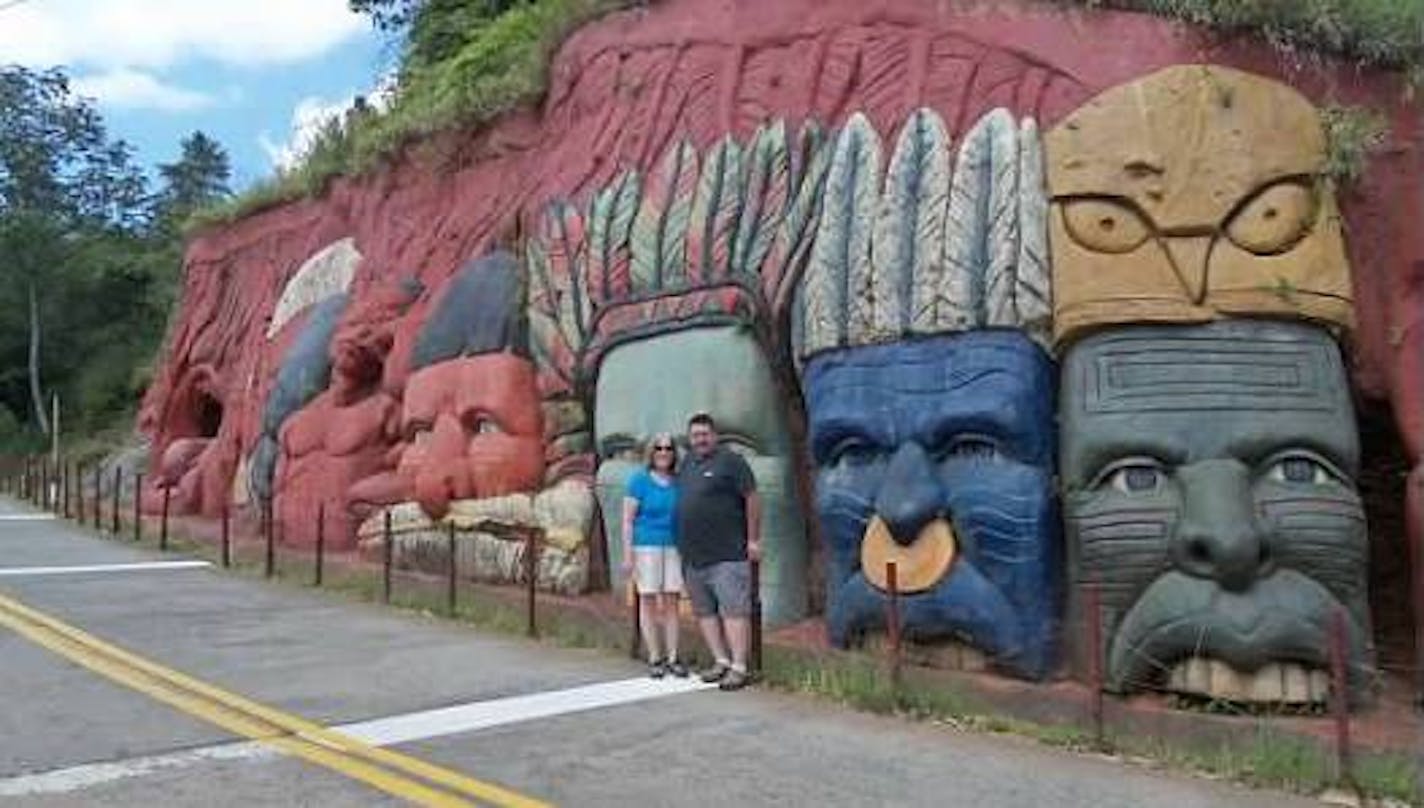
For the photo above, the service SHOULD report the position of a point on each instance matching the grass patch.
(1372, 33)
(1352, 136)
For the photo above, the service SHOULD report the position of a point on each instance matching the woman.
(650, 553)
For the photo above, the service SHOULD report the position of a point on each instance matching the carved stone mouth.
(1275, 683)
(1269, 643)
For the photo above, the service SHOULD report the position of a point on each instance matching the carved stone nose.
(1219, 536)
(910, 494)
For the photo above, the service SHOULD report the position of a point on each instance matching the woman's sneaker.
(677, 669)
(657, 669)
(714, 673)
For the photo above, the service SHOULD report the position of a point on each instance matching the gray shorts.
(723, 588)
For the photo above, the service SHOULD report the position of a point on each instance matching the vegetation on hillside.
(89, 258)
(466, 61)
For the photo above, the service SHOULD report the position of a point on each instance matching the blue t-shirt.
(657, 510)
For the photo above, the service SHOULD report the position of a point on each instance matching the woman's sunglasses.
(663, 448)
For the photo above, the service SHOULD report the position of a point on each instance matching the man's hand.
(754, 549)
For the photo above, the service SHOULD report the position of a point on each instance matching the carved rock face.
(1209, 477)
(653, 385)
(1176, 198)
(470, 430)
(948, 438)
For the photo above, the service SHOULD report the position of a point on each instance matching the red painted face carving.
(471, 429)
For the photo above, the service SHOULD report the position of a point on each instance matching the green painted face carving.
(653, 385)
(1209, 474)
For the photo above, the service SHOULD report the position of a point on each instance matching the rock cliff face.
(459, 335)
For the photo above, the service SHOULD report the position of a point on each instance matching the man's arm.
(753, 525)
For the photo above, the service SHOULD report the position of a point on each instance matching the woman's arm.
(630, 512)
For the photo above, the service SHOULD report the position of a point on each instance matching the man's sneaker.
(715, 673)
(677, 669)
(657, 669)
(735, 680)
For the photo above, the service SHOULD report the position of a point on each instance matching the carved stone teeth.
(1279, 683)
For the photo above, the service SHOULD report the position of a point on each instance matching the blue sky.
(255, 74)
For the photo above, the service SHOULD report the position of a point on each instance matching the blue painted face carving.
(957, 427)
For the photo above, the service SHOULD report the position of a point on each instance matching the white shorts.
(657, 570)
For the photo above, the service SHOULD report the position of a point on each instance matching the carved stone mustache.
(1283, 618)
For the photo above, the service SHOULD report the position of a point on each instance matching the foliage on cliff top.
(467, 61)
(1374, 33)
(472, 65)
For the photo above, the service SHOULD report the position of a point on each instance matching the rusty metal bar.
(892, 620)
(635, 644)
(225, 549)
(138, 508)
(531, 575)
(388, 555)
(1340, 695)
(756, 632)
(269, 564)
(118, 485)
(452, 572)
(320, 542)
(163, 519)
(1092, 613)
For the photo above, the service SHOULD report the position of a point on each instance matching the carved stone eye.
(1300, 469)
(1133, 475)
(1275, 220)
(1105, 225)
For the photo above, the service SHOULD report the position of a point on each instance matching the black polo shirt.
(712, 507)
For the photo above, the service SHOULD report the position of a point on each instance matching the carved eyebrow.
(827, 434)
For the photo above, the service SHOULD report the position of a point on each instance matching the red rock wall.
(626, 87)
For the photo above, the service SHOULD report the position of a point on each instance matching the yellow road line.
(258, 722)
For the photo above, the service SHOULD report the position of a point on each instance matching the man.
(719, 531)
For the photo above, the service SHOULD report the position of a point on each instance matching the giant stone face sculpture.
(930, 411)
(1209, 473)
(1209, 469)
(940, 447)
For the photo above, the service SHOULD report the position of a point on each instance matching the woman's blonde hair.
(660, 439)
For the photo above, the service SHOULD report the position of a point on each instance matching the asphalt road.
(562, 726)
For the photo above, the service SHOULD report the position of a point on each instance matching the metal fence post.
(118, 484)
(269, 565)
(138, 507)
(387, 555)
(531, 575)
(226, 549)
(451, 570)
(892, 620)
(1340, 696)
(163, 519)
(756, 632)
(1092, 609)
(320, 542)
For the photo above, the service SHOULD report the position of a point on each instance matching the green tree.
(79, 260)
(199, 177)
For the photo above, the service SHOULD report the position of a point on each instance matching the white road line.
(395, 729)
(514, 709)
(15, 572)
(26, 517)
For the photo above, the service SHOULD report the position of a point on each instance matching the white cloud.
(126, 88)
(159, 33)
(308, 118)
(311, 115)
